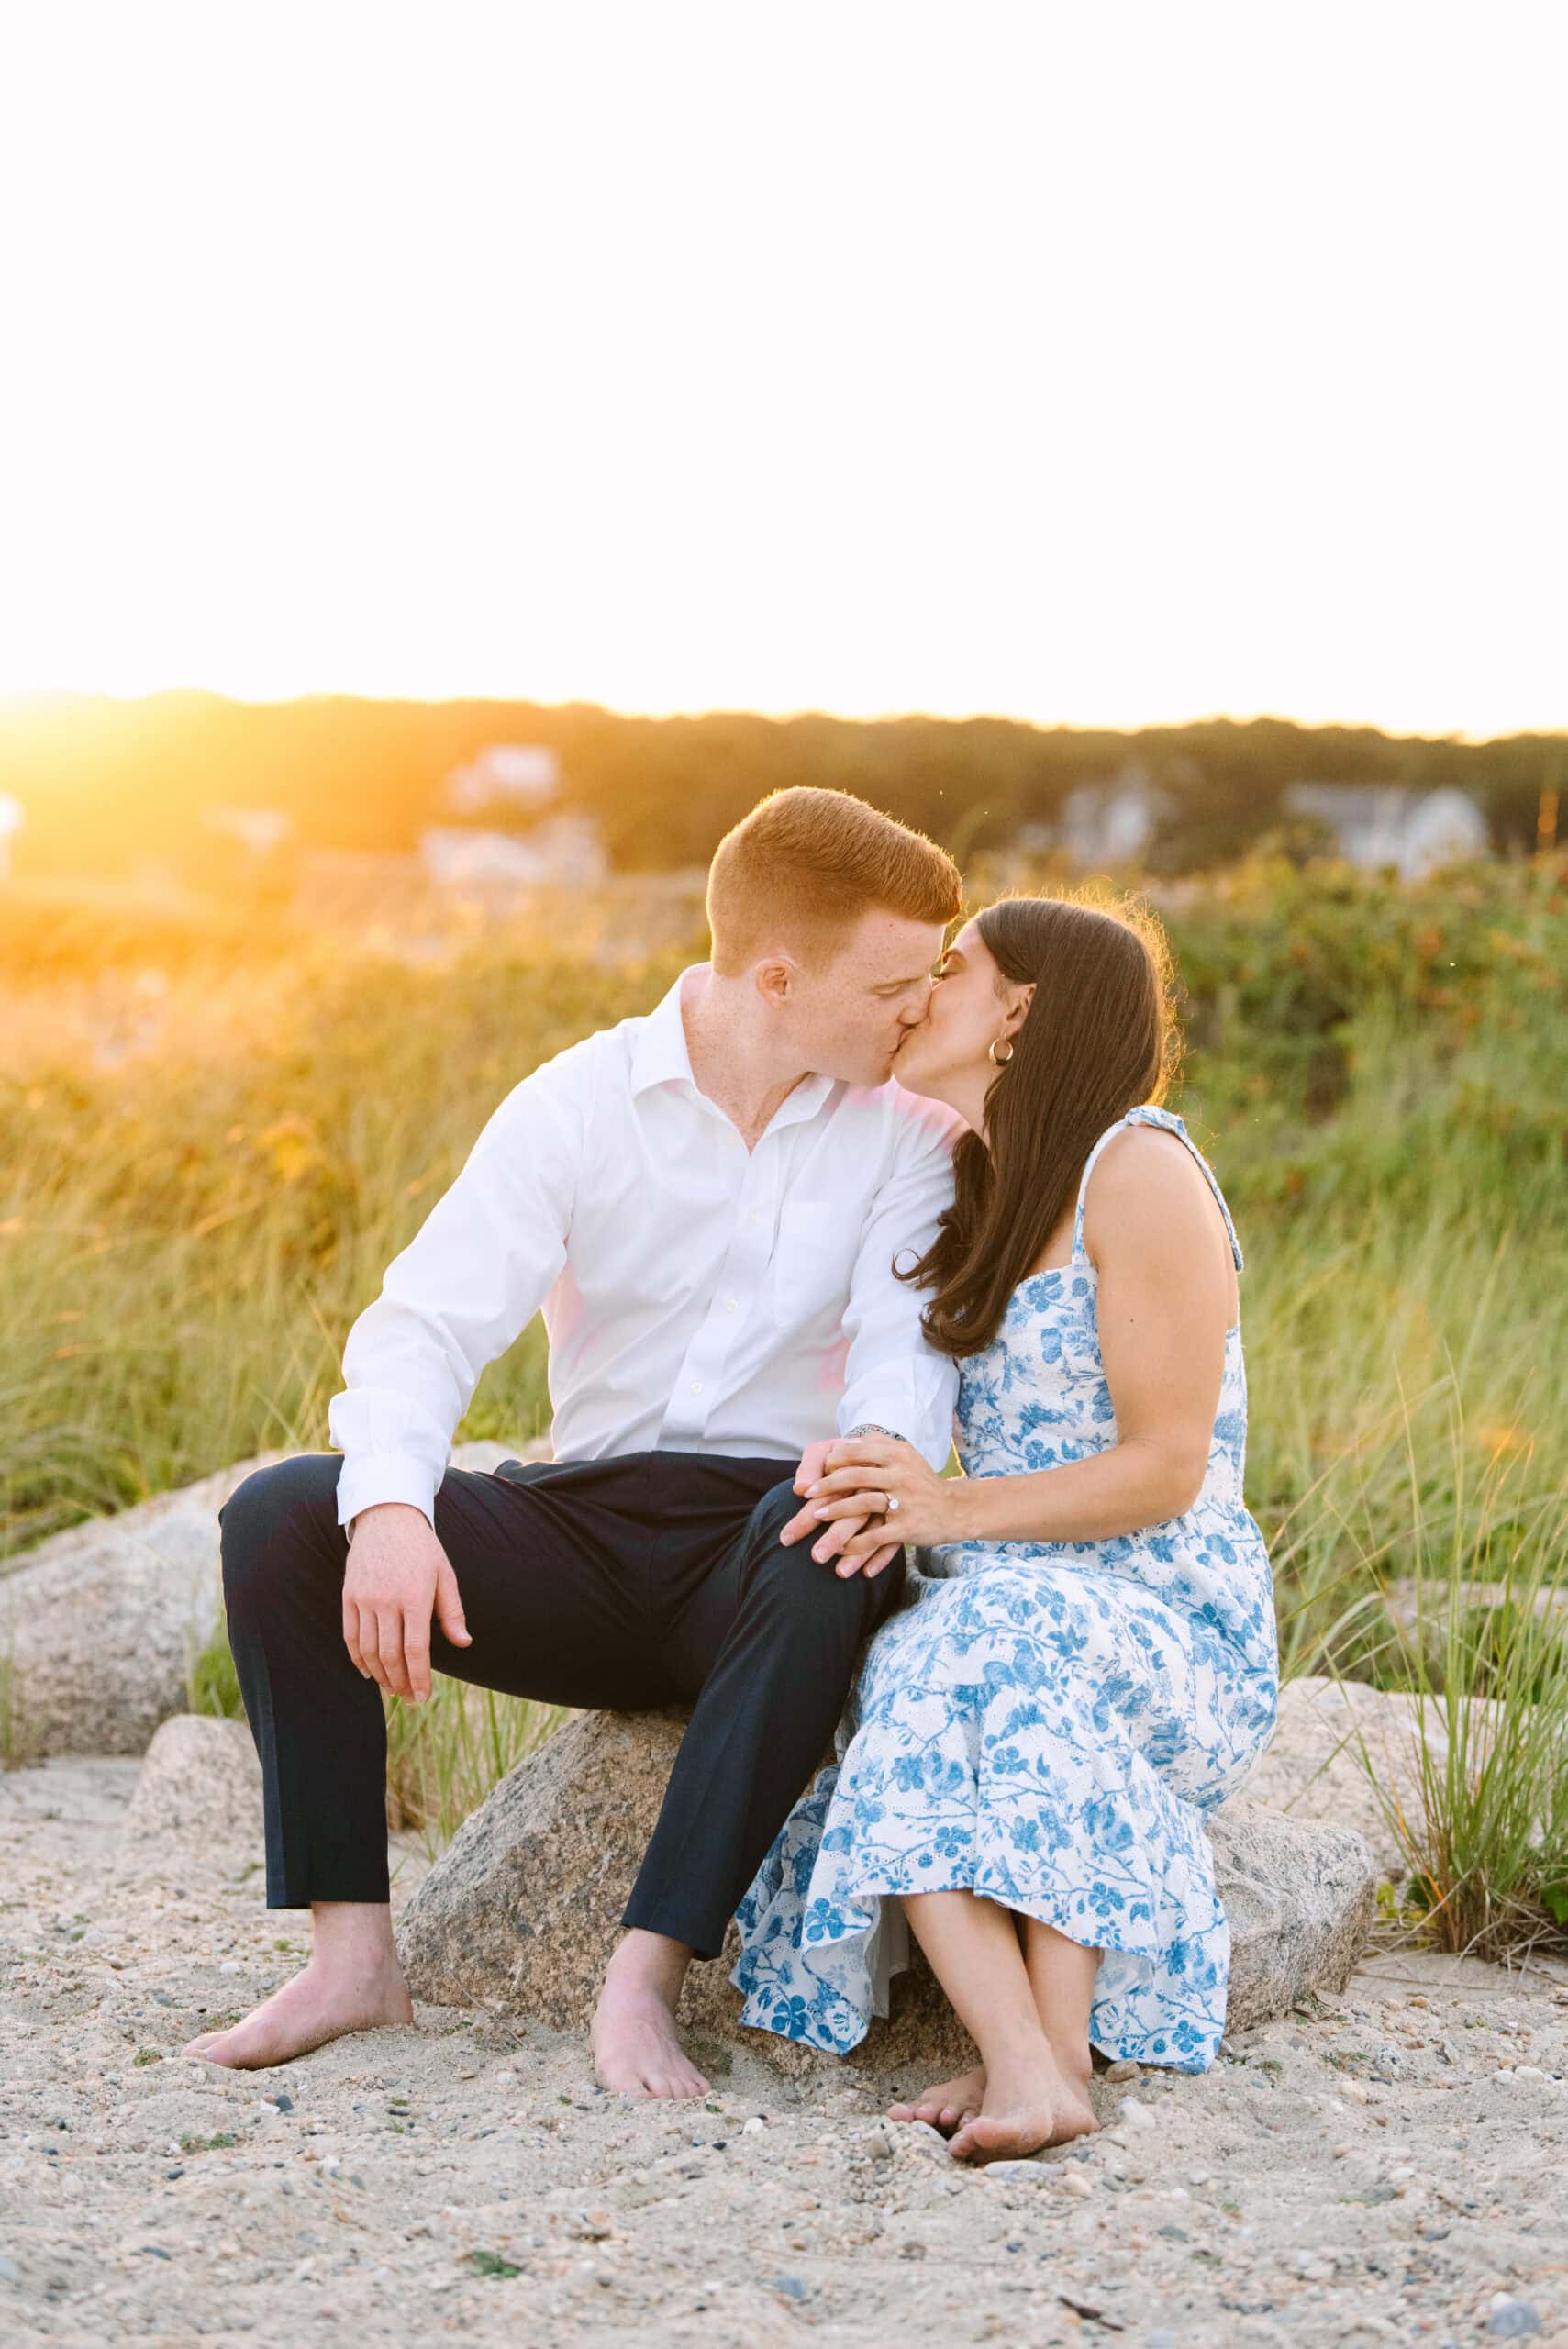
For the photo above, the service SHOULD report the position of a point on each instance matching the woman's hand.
(863, 1475)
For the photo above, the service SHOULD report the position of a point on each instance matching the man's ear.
(774, 978)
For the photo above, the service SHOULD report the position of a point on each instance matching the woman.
(1086, 1660)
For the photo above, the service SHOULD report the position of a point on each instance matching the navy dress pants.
(650, 1579)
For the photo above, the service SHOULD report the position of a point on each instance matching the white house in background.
(259, 831)
(1376, 824)
(13, 816)
(563, 853)
(1104, 823)
(504, 774)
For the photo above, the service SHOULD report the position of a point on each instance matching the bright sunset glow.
(1101, 366)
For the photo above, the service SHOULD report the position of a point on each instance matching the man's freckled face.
(860, 1011)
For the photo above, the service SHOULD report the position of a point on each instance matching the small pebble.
(1135, 2115)
(1511, 2320)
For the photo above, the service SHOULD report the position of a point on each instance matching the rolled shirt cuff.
(925, 1421)
(371, 1476)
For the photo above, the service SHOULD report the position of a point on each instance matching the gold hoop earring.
(1000, 1060)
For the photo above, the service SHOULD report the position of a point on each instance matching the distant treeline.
(103, 781)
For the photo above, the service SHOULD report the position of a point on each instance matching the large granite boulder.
(1350, 1754)
(199, 1781)
(523, 1908)
(99, 1625)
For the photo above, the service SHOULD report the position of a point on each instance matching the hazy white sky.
(1086, 364)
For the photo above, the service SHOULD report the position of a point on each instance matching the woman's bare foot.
(1029, 2101)
(1074, 2061)
(949, 2104)
(317, 2004)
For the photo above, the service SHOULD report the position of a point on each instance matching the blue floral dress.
(1043, 1722)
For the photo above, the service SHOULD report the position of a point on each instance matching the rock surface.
(200, 1778)
(1312, 1768)
(99, 1625)
(523, 1908)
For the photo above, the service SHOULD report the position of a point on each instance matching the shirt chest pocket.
(814, 1261)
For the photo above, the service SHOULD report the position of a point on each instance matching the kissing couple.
(823, 1211)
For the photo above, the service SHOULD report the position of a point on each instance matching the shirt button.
(730, 1303)
(754, 1218)
(696, 1387)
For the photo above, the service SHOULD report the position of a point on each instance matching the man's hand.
(814, 1462)
(399, 1576)
(884, 1473)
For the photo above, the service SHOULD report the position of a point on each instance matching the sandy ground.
(1391, 2169)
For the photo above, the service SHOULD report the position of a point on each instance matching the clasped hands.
(848, 1483)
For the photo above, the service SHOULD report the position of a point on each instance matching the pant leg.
(768, 1643)
(556, 1610)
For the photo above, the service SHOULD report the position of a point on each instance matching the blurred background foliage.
(105, 780)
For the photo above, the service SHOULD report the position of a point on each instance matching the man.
(706, 1202)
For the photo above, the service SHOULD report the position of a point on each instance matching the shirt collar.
(660, 1055)
(659, 1051)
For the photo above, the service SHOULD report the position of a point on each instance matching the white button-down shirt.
(698, 1297)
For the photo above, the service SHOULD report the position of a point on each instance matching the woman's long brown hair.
(1099, 1038)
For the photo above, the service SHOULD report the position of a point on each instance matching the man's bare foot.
(317, 2004)
(949, 2104)
(1028, 2102)
(636, 2050)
